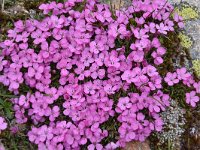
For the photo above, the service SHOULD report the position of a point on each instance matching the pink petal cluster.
(192, 98)
(74, 69)
(134, 123)
(180, 75)
(187, 79)
(3, 124)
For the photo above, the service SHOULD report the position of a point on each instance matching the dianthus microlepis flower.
(192, 98)
(83, 64)
(171, 78)
(3, 124)
(197, 87)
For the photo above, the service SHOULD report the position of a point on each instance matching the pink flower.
(3, 124)
(59, 34)
(155, 83)
(45, 7)
(69, 139)
(151, 27)
(23, 101)
(44, 26)
(19, 26)
(89, 88)
(179, 20)
(33, 135)
(95, 146)
(137, 56)
(113, 62)
(160, 51)
(96, 47)
(123, 31)
(140, 20)
(171, 78)
(109, 89)
(162, 28)
(130, 136)
(128, 76)
(140, 34)
(29, 26)
(56, 22)
(2, 63)
(158, 125)
(170, 25)
(38, 37)
(2, 147)
(197, 87)
(12, 33)
(22, 37)
(157, 55)
(54, 113)
(40, 108)
(45, 133)
(154, 105)
(35, 71)
(100, 59)
(111, 146)
(151, 71)
(14, 129)
(156, 43)
(86, 58)
(140, 78)
(183, 74)
(142, 44)
(124, 103)
(113, 30)
(101, 73)
(191, 98)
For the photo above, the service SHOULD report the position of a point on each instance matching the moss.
(196, 66)
(188, 12)
(172, 44)
(111, 126)
(186, 41)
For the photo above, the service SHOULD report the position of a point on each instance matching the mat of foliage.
(83, 65)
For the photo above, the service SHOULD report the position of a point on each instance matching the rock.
(137, 146)
(117, 4)
(17, 9)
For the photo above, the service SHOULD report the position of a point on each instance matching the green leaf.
(9, 114)
(8, 96)
(1, 101)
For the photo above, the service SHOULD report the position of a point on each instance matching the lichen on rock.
(186, 41)
(196, 66)
(174, 122)
(187, 11)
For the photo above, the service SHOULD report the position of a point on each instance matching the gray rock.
(192, 28)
